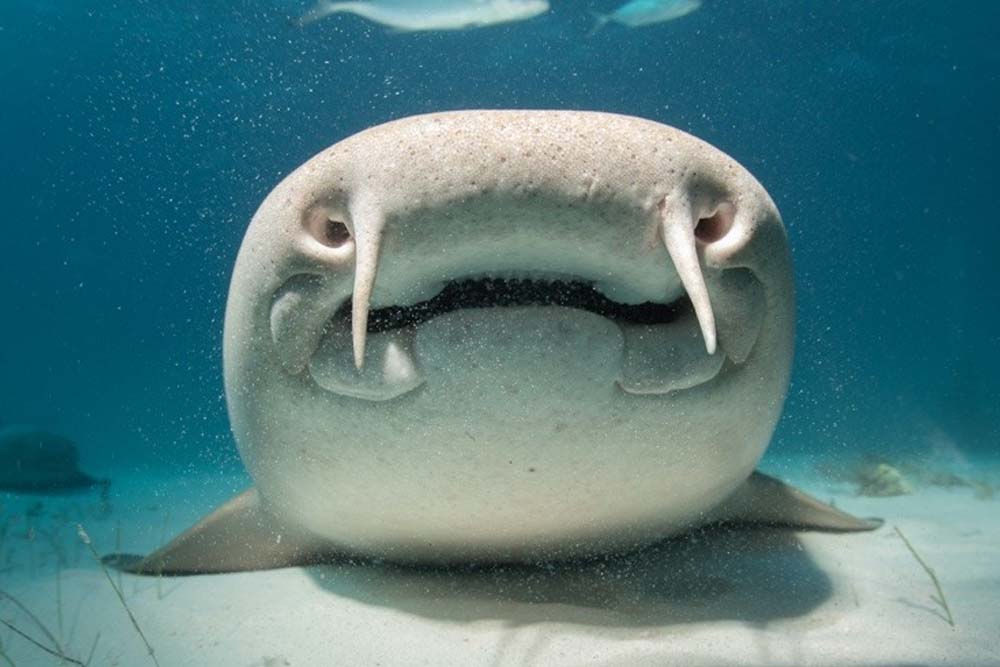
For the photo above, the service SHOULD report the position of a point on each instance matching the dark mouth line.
(505, 293)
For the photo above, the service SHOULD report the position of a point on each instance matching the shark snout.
(356, 330)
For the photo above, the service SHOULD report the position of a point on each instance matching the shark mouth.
(678, 235)
(511, 292)
(663, 347)
(366, 350)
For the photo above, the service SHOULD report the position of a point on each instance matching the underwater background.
(137, 139)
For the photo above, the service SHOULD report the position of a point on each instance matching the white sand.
(746, 598)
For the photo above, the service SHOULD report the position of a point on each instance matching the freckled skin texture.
(503, 433)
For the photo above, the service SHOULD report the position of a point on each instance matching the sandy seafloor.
(752, 597)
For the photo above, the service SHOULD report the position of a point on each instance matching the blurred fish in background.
(416, 15)
(638, 13)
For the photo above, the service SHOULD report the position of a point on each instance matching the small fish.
(417, 15)
(638, 13)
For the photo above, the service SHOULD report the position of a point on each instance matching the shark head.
(503, 335)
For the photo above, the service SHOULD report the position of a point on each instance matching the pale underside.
(243, 536)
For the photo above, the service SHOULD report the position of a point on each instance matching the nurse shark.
(503, 337)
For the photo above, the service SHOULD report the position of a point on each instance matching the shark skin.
(503, 336)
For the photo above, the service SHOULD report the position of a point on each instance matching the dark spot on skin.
(531, 470)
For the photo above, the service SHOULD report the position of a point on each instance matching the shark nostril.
(327, 229)
(335, 233)
(715, 226)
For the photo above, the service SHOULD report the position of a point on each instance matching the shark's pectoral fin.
(239, 536)
(768, 501)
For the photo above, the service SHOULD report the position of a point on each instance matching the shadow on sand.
(718, 574)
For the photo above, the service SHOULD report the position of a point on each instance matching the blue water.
(139, 137)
